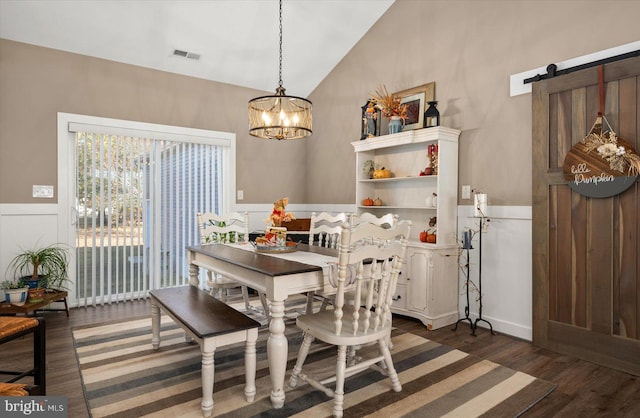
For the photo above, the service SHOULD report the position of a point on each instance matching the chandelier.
(280, 116)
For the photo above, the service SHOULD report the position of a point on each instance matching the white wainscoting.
(506, 269)
(506, 253)
(25, 226)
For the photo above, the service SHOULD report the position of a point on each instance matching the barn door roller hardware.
(552, 69)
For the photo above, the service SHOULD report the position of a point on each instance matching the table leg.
(155, 325)
(277, 352)
(193, 275)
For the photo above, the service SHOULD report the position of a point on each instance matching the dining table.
(278, 275)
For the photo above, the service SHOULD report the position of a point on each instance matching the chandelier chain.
(280, 64)
(280, 116)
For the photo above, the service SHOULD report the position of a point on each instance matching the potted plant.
(14, 293)
(46, 267)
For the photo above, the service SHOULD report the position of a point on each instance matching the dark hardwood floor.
(584, 389)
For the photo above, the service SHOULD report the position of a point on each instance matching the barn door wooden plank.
(564, 255)
(600, 263)
(579, 125)
(626, 301)
(579, 259)
(540, 212)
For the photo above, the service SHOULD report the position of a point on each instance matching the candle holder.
(431, 115)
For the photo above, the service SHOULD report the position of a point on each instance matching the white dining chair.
(370, 257)
(387, 220)
(222, 229)
(324, 231)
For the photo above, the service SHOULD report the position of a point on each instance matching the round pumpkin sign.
(601, 166)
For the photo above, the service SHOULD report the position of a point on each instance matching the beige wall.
(37, 83)
(469, 48)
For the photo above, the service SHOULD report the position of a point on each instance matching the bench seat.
(12, 327)
(211, 323)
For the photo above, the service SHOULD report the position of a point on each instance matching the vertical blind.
(136, 204)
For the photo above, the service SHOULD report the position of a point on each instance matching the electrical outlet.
(240, 194)
(466, 191)
(42, 191)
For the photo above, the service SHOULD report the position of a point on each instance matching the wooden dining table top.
(261, 262)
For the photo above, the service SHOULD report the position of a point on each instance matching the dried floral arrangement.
(619, 158)
(389, 103)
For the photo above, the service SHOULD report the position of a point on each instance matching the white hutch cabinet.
(428, 284)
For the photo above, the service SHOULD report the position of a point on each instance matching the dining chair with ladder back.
(324, 231)
(222, 229)
(387, 220)
(370, 257)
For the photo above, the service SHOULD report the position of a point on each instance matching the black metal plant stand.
(467, 246)
(479, 318)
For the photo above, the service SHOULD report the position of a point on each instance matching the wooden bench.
(212, 324)
(12, 327)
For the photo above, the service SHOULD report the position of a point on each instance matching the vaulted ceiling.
(237, 40)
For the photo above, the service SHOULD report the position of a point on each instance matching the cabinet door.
(418, 261)
(442, 282)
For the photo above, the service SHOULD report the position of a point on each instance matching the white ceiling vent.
(186, 54)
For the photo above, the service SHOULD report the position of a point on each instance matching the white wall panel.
(506, 269)
(25, 226)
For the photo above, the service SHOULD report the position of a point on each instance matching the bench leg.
(155, 325)
(250, 364)
(207, 382)
(39, 357)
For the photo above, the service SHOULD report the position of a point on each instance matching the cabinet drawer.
(400, 297)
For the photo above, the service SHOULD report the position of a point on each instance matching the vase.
(395, 124)
(36, 295)
(16, 296)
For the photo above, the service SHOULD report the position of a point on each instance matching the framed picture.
(415, 111)
(428, 92)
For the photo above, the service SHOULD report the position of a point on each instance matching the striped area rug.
(123, 377)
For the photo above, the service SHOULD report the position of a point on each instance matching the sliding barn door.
(586, 251)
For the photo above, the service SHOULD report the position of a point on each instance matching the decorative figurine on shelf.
(432, 115)
(370, 120)
(427, 170)
(368, 167)
(279, 215)
(433, 157)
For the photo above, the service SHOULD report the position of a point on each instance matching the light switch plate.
(466, 191)
(42, 191)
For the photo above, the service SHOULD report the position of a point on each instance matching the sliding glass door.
(134, 208)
